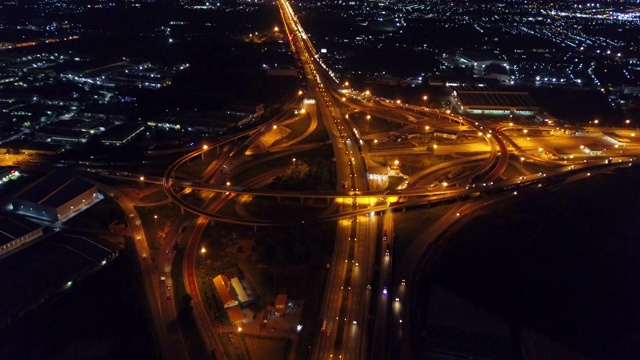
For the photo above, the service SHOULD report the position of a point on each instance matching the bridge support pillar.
(212, 222)
(181, 210)
(255, 228)
(301, 200)
(278, 198)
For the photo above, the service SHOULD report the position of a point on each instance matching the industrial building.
(227, 296)
(121, 134)
(237, 286)
(55, 197)
(236, 316)
(280, 305)
(485, 65)
(27, 147)
(485, 101)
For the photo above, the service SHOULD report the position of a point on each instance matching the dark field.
(562, 263)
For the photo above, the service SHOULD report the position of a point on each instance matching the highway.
(366, 310)
(358, 247)
(153, 265)
(363, 305)
(345, 320)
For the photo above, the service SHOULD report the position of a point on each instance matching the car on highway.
(385, 291)
(384, 235)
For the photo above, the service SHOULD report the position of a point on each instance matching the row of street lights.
(368, 93)
(595, 122)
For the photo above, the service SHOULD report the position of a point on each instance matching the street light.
(627, 122)
(204, 149)
(294, 163)
(424, 101)
(155, 220)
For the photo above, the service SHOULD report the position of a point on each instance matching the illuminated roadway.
(346, 300)
(344, 318)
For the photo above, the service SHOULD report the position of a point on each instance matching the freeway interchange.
(365, 308)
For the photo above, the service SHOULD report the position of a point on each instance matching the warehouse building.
(484, 101)
(237, 286)
(223, 287)
(55, 197)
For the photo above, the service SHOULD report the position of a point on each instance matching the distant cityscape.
(272, 179)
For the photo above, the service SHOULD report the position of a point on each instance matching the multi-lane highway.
(363, 304)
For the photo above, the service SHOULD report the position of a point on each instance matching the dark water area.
(562, 263)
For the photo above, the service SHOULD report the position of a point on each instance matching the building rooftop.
(47, 131)
(491, 98)
(54, 189)
(223, 286)
(27, 145)
(281, 301)
(237, 286)
(122, 132)
(235, 315)
(475, 56)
